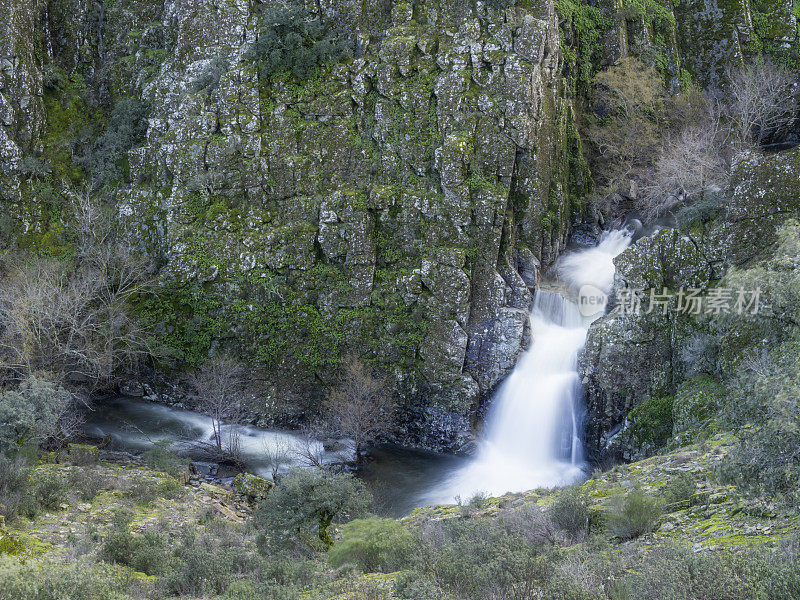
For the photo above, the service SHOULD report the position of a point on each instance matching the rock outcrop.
(630, 358)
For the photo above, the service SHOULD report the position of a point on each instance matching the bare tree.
(359, 407)
(761, 101)
(75, 320)
(220, 389)
(278, 453)
(625, 134)
(691, 164)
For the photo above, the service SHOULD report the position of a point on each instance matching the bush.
(482, 558)
(14, 486)
(305, 503)
(627, 122)
(679, 491)
(296, 41)
(82, 455)
(381, 545)
(570, 512)
(159, 457)
(633, 514)
(218, 560)
(681, 574)
(53, 581)
(30, 413)
(765, 393)
(146, 552)
(127, 126)
(50, 491)
(87, 482)
(145, 491)
(33, 168)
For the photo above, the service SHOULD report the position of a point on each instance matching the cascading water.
(532, 435)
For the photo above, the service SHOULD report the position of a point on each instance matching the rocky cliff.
(398, 204)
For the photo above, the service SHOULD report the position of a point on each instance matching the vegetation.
(86, 305)
(651, 421)
(359, 408)
(629, 119)
(373, 545)
(297, 41)
(73, 318)
(208, 79)
(127, 126)
(31, 413)
(219, 389)
(161, 458)
(633, 514)
(299, 512)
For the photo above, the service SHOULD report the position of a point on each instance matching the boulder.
(252, 487)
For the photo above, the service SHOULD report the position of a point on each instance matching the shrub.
(570, 512)
(382, 545)
(14, 486)
(413, 585)
(127, 126)
(50, 490)
(159, 457)
(53, 77)
(30, 413)
(211, 562)
(501, 4)
(87, 482)
(761, 103)
(632, 515)
(306, 502)
(482, 558)
(628, 121)
(82, 455)
(54, 581)
(530, 523)
(145, 491)
(679, 491)
(33, 168)
(146, 552)
(765, 392)
(295, 40)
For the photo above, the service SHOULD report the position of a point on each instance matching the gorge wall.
(398, 205)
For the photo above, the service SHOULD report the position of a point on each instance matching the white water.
(135, 425)
(532, 435)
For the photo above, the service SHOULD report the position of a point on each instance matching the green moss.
(584, 54)
(70, 122)
(651, 421)
(20, 545)
(183, 319)
(771, 24)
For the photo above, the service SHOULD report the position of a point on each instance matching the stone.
(252, 487)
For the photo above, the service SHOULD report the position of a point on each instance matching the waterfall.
(532, 434)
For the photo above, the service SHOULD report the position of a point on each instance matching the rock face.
(397, 205)
(630, 358)
(378, 207)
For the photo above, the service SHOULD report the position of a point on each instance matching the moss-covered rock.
(252, 487)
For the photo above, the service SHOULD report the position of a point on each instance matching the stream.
(398, 477)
